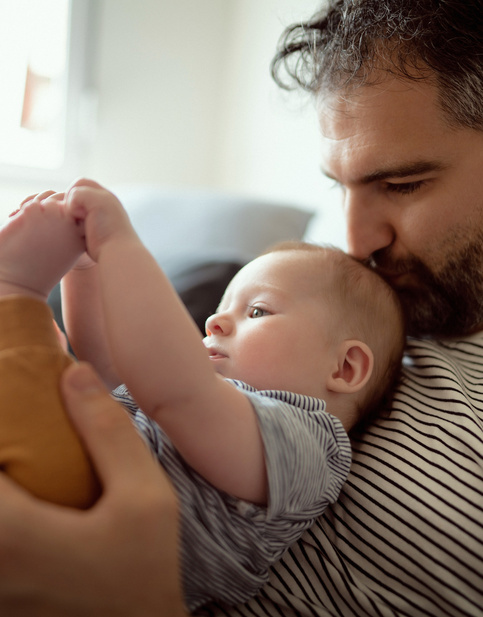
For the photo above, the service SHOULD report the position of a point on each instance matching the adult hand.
(120, 558)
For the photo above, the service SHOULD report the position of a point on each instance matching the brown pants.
(38, 446)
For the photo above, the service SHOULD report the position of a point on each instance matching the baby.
(251, 425)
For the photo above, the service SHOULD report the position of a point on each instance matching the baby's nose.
(218, 323)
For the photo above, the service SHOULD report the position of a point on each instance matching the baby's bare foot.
(38, 245)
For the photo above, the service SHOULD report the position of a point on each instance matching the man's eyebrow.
(403, 171)
(399, 171)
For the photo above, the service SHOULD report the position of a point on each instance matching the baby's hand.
(38, 245)
(100, 213)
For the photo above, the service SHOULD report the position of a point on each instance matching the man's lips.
(402, 278)
(399, 280)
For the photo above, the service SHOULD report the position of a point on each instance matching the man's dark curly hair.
(341, 44)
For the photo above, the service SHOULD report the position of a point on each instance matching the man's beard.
(446, 304)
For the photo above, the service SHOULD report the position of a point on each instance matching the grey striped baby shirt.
(228, 544)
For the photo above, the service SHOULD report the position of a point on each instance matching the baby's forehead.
(284, 271)
(290, 260)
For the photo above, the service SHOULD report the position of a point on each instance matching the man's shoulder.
(465, 351)
(437, 408)
(417, 478)
(442, 377)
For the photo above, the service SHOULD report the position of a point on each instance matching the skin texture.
(412, 196)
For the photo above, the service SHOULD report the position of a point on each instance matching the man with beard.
(398, 86)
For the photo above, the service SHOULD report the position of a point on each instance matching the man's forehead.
(381, 126)
(380, 102)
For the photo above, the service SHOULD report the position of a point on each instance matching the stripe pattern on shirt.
(227, 544)
(405, 537)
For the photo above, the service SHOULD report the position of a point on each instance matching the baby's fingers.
(38, 197)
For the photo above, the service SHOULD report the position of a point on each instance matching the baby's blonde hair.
(368, 310)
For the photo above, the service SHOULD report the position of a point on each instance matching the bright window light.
(33, 63)
(41, 82)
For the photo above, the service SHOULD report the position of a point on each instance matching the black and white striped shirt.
(228, 544)
(405, 537)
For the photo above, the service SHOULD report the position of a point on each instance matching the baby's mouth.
(216, 354)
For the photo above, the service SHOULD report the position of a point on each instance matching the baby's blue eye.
(256, 311)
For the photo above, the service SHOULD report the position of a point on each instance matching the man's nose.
(219, 323)
(368, 228)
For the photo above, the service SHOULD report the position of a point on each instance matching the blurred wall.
(159, 73)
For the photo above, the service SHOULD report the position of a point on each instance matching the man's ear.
(355, 362)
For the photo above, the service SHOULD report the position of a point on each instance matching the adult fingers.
(119, 454)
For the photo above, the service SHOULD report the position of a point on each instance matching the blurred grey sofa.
(201, 238)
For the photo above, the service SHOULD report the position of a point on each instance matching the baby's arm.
(84, 320)
(158, 352)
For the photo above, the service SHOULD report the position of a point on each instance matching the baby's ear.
(355, 362)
